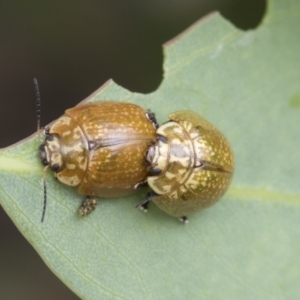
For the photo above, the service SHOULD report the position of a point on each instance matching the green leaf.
(247, 245)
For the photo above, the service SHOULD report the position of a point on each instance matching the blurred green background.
(73, 47)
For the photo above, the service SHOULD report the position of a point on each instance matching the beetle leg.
(183, 219)
(143, 205)
(141, 184)
(88, 206)
(151, 117)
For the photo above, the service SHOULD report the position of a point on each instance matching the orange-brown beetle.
(191, 165)
(100, 149)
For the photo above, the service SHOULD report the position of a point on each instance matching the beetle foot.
(143, 205)
(88, 206)
(183, 220)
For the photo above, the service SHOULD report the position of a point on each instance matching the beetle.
(191, 165)
(100, 148)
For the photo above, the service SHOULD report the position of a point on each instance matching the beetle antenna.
(38, 104)
(38, 121)
(45, 194)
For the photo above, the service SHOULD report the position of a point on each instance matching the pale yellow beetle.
(191, 165)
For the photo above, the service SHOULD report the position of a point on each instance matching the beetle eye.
(49, 137)
(162, 139)
(154, 172)
(55, 167)
(43, 156)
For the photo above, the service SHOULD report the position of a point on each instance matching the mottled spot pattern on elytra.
(199, 166)
(102, 147)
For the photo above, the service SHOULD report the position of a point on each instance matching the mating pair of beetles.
(110, 149)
